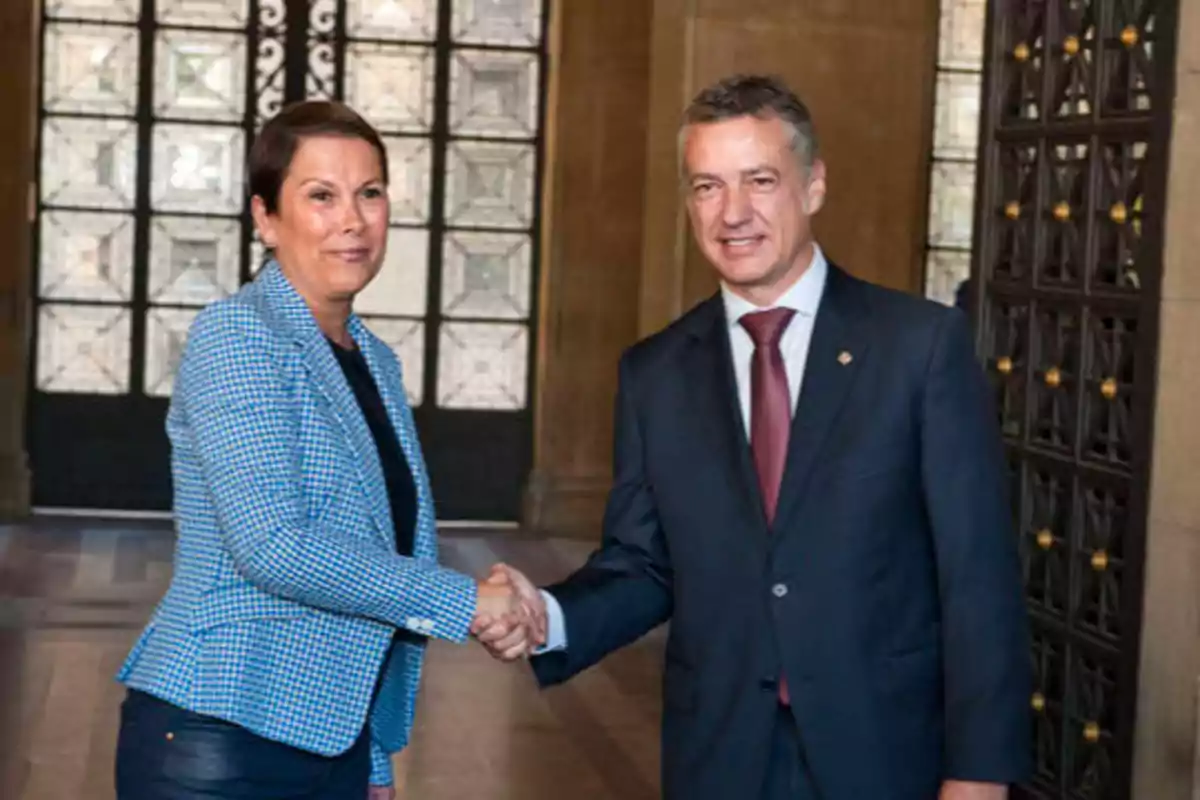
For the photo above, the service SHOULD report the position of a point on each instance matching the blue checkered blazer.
(287, 589)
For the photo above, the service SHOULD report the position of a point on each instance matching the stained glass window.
(955, 138)
(456, 88)
(148, 112)
(144, 210)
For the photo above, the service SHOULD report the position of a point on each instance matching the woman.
(284, 659)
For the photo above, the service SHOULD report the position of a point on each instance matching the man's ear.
(814, 192)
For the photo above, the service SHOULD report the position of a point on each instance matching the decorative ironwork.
(1065, 273)
(270, 77)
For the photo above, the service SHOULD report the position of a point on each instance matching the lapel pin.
(845, 358)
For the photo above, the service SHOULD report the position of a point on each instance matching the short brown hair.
(273, 150)
(761, 96)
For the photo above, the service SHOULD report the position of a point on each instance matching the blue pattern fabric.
(287, 590)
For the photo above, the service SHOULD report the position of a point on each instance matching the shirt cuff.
(556, 626)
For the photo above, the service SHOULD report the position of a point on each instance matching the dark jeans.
(788, 777)
(168, 753)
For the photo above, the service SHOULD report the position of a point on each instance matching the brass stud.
(1071, 45)
(1091, 732)
(1118, 213)
(1053, 378)
(1129, 36)
(1099, 561)
(1109, 388)
(1012, 209)
(1045, 539)
(1062, 211)
(1004, 365)
(1038, 702)
(1021, 52)
(170, 736)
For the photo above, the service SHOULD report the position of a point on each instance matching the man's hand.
(381, 793)
(967, 790)
(513, 636)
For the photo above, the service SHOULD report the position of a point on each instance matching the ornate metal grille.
(1066, 273)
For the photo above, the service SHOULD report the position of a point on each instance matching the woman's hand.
(381, 793)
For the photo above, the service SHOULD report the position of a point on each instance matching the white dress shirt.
(805, 297)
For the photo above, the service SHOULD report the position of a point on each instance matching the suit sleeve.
(243, 425)
(984, 623)
(625, 589)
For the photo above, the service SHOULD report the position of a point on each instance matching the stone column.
(1166, 743)
(18, 76)
(591, 260)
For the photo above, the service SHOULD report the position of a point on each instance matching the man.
(809, 484)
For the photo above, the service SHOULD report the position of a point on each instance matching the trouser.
(168, 753)
(788, 777)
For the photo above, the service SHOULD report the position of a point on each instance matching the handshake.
(510, 614)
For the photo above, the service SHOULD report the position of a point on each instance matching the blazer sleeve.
(987, 671)
(625, 589)
(243, 424)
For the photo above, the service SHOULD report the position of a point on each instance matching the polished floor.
(74, 593)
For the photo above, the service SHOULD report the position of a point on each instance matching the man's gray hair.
(761, 96)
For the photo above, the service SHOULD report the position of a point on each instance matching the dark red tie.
(770, 411)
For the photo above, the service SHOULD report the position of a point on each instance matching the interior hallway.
(75, 593)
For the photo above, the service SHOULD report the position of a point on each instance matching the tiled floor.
(74, 593)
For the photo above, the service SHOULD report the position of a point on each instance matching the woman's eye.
(373, 193)
(321, 195)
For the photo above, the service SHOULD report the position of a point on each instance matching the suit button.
(768, 685)
(779, 590)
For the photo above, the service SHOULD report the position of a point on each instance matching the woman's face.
(329, 232)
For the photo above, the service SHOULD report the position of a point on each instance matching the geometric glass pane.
(945, 270)
(205, 13)
(956, 130)
(406, 337)
(409, 162)
(106, 10)
(486, 275)
(400, 287)
(90, 69)
(193, 261)
(258, 257)
(197, 169)
(516, 23)
(395, 20)
(200, 75)
(166, 335)
(482, 365)
(391, 86)
(951, 204)
(83, 349)
(489, 185)
(494, 94)
(960, 40)
(86, 256)
(89, 163)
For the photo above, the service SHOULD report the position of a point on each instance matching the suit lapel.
(712, 387)
(835, 357)
(391, 390)
(327, 375)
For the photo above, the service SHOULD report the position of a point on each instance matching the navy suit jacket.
(888, 590)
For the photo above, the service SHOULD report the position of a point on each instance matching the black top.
(402, 491)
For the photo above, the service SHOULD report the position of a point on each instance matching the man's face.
(751, 200)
